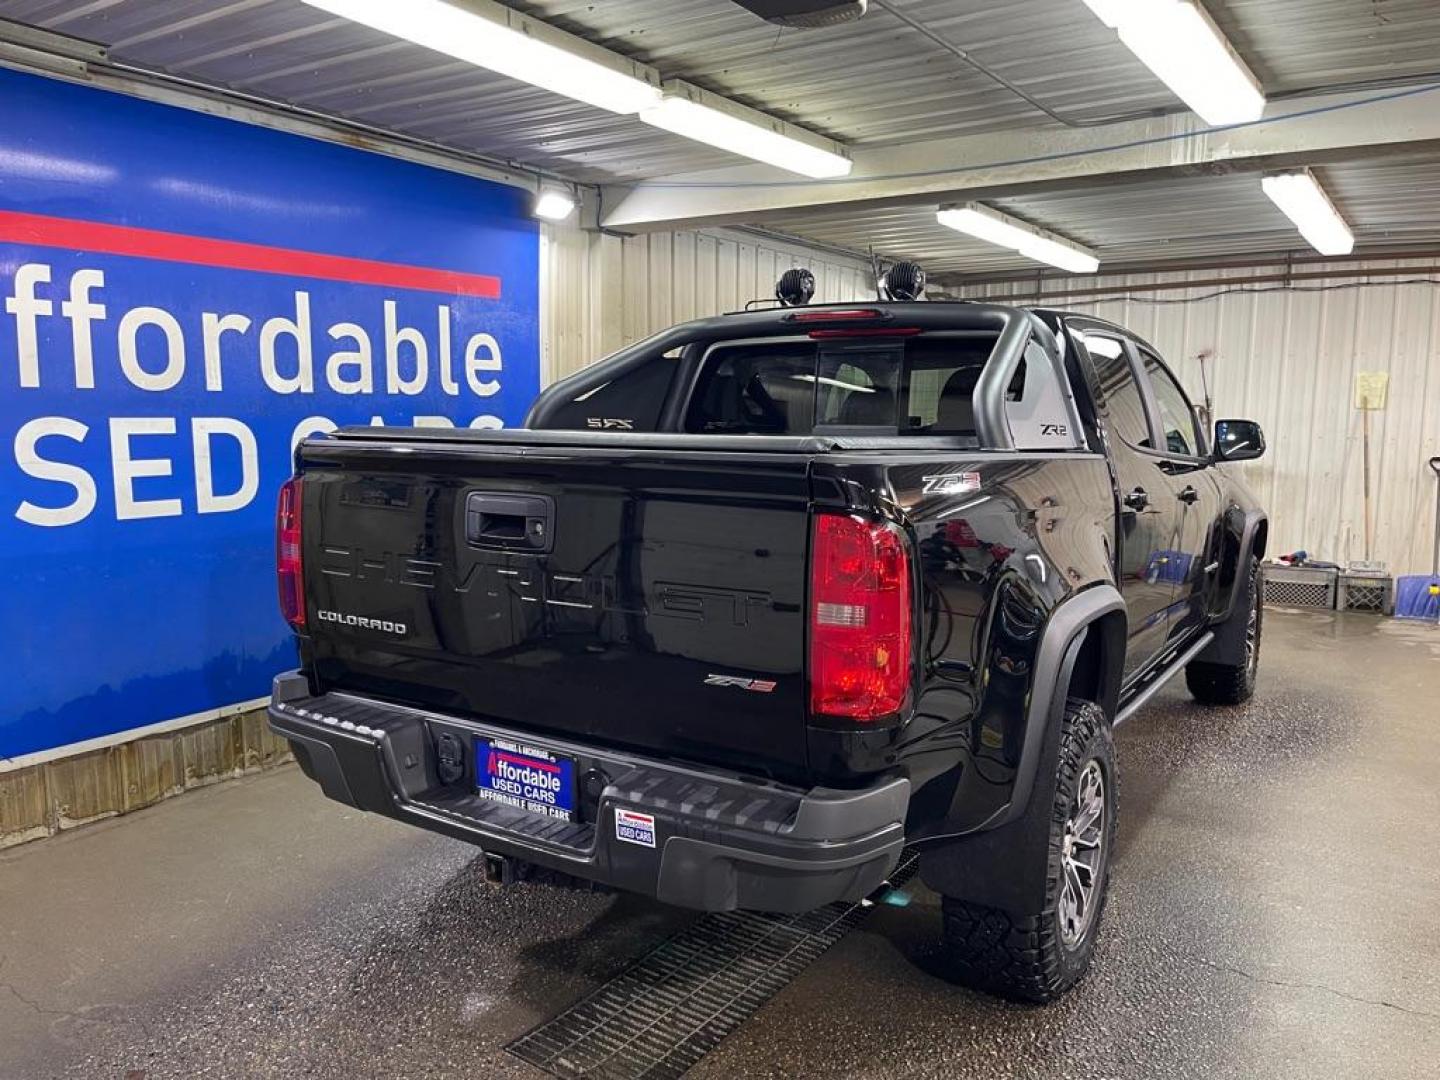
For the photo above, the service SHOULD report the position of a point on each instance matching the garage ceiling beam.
(1294, 132)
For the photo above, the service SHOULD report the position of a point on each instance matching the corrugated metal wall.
(1288, 358)
(599, 293)
(1285, 357)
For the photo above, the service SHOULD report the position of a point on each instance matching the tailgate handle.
(510, 522)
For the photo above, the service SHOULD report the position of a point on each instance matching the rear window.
(758, 388)
(916, 387)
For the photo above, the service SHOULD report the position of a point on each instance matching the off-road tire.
(1233, 684)
(1023, 955)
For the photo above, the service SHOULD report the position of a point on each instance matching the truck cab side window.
(1177, 418)
(1124, 407)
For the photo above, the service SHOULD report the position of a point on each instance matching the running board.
(1161, 679)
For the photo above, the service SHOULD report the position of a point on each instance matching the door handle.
(1137, 500)
(510, 522)
(1189, 496)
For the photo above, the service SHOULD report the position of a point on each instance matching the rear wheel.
(1036, 956)
(1233, 684)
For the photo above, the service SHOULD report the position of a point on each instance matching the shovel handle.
(1435, 558)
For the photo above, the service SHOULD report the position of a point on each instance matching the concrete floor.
(1275, 912)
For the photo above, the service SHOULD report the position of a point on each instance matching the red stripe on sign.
(528, 763)
(102, 239)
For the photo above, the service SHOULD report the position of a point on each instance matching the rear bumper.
(720, 841)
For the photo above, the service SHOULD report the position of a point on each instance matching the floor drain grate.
(661, 1015)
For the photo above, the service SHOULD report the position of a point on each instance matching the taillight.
(287, 554)
(860, 637)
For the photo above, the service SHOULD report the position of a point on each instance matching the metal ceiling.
(874, 82)
(1298, 43)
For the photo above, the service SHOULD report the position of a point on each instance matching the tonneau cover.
(638, 440)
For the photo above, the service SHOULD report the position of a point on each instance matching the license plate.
(525, 777)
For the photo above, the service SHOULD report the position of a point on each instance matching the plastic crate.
(1300, 586)
(1364, 591)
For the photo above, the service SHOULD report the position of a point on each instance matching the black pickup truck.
(750, 606)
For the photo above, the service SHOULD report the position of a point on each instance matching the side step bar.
(1162, 678)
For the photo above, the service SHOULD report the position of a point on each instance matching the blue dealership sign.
(184, 298)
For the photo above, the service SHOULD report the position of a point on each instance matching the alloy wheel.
(1252, 637)
(1082, 855)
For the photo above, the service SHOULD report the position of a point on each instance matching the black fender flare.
(1001, 864)
(1229, 644)
(1060, 644)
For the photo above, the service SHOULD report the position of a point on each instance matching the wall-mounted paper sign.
(1370, 389)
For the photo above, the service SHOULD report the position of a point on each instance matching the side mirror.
(1238, 440)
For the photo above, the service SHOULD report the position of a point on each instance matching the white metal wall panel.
(599, 293)
(1288, 358)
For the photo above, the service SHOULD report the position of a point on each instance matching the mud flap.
(1007, 866)
(1228, 648)
(1004, 867)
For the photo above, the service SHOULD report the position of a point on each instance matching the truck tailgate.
(646, 599)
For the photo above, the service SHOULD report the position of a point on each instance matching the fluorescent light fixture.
(1301, 198)
(1005, 231)
(1063, 255)
(491, 36)
(709, 118)
(1180, 43)
(554, 204)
